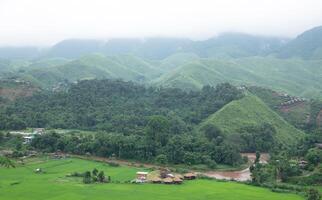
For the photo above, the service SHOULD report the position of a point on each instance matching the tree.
(161, 159)
(87, 177)
(1, 136)
(101, 177)
(211, 131)
(313, 194)
(258, 156)
(94, 172)
(6, 162)
(314, 156)
(158, 129)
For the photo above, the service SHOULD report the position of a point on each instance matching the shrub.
(113, 164)
(313, 194)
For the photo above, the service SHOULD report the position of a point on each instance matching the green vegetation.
(250, 111)
(295, 76)
(308, 45)
(19, 182)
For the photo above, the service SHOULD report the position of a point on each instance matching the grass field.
(22, 183)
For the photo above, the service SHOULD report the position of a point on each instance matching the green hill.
(49, 72)
(251, 111)
(308, 45)
(295, 76)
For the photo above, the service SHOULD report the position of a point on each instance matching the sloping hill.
(90, 66)
(236, 45)
(308, 45)
(295, 76)
(251, 111)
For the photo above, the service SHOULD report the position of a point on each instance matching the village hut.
(177, 180)
(156, 180)
(164, 173)
(179, 176)
(141, 176)
(189, 176)
(168, 181)
(302, 163)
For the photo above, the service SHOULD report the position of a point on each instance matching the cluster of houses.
(29, 136)
(163, 176)
(292, 101)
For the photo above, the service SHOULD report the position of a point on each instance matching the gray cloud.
(44, 22)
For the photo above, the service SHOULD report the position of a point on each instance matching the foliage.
(6, 162)
(314, 156)
(252, 125)
(117, 106)
(313, 194)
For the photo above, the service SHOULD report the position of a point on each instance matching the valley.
(236, 116)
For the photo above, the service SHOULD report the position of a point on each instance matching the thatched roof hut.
(189, 176)
(156, 180)
(177, 180)
(168, 181)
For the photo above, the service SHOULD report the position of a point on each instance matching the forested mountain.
(236, 45)
(225, 45)
(116, 105)
(74, 48)
(126, 108)
(19, 52)
(308, 45)
(295, 76)
(175, 62)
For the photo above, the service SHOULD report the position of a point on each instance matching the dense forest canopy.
(116, 106)
(134, 122)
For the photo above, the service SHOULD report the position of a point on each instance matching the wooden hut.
(156, 180)
(141, 176)
(189, 176)
(168, 181)
(177, 180)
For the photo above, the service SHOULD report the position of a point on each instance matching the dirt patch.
(240, 175)
(288, 108)
(14, 93)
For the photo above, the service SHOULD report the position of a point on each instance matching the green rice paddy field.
(21, 183)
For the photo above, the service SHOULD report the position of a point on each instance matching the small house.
(168, 181)
(38, 131)
(156, 180)
(27, 139)
(189, 176)
(169, 176)
(177, 180)
(302, 163)
(141, 176)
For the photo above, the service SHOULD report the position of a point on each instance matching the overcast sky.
(44, 22)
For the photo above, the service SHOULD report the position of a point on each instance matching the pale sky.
(45, 22)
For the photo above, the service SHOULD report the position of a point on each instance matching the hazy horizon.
(46, 22)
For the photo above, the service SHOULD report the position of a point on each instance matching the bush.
(87, 177)
(313, 194)
(113, 164)
(161, 159)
